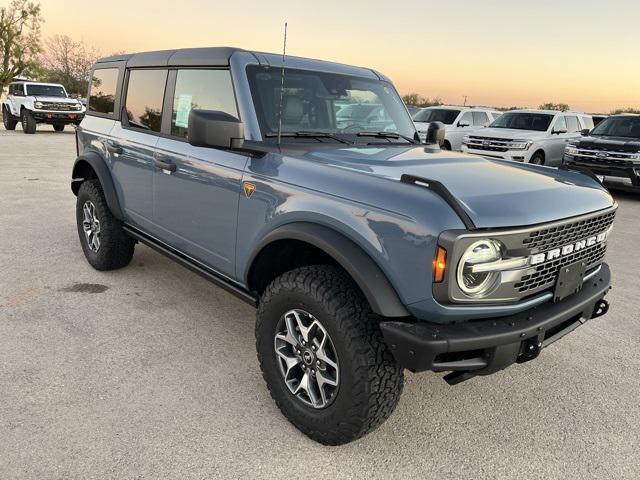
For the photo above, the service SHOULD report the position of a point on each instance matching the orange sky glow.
(496, 52)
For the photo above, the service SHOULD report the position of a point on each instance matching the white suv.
(458, 121)
(533, 136)
(31, 103)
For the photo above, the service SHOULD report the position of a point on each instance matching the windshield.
(618, 127)
(443, 115)
(523, 121)
(338, 106)
(46, 91)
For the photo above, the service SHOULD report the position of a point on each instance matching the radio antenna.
(284, 53)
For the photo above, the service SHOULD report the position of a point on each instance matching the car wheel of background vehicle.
(105, 244)
(8, 120)
(58, 127)
(445, 145)
(323, 357)
(537, 159)
(28, 122)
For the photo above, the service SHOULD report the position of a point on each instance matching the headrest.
(293, 110)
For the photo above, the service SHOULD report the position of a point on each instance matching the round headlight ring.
(478, 285)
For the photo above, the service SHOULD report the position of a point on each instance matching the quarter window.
(200, 89)
(145, 92)
(104, 84)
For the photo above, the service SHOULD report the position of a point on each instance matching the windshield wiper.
(387, 135)
(303, 134)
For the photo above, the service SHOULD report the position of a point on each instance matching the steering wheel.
(354, 127)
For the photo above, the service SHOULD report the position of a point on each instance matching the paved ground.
(151, 372)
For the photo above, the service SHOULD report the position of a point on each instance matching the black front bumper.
(612, 171)
(486, 346)
(51, 117)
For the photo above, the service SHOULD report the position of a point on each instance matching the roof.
(208, 56)
(37, 83)
(549, 112)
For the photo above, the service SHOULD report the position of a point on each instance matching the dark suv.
(611, 151)
(364, 251)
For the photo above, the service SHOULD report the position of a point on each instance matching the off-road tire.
(28, 122)
(446, 145)
(8, 120)
(537, 159)
(58, 127)
(116, 247)
(370, 379)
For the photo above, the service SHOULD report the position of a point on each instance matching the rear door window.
(104, 83)
(145, 93)
(201, 89)
(572, 124)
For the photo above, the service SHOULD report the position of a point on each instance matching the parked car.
(458, 121)
(611, 151)
(365, 252)
(30, 103)
(363, 116)
(528, 136)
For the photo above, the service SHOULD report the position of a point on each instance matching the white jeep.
(31, 103)
(528, 136)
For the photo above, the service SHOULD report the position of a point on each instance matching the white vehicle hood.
(40, 98)
(510, 134)
(423, 126)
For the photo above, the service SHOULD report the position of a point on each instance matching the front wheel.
(537, 159)
(323, 357)
(8, 120)
(28, 122)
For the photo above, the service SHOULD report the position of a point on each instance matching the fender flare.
(373, 283)
(99, 166)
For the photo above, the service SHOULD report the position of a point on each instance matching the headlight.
(479, 284)
(38, 104)
(78, 106)
(520, 144)
(571, 150)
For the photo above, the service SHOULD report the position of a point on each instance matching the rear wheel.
(8, 120)
(446, 145)
(323, 357)
(28, 122)
(537, 159)
(105, 244)
(58, 127)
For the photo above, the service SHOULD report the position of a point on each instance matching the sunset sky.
(497, 52)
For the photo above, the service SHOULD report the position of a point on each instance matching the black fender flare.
(99, 166)
(373, 283)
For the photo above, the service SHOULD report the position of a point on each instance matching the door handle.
(161, 162)
(114, 148)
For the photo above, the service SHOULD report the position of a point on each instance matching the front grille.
(59, 106)
(543, 240)
(607, 157)
(488, 144)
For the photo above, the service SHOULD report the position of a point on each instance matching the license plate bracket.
(570, 280)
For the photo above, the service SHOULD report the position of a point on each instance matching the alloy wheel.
(91, 226)
(307, 358)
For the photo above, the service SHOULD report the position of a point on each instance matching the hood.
(495, 193)
(510, 133)
(41, 98)
(617, 144)
(423, 126)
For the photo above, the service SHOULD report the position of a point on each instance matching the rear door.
(133, 143)
(196, 196)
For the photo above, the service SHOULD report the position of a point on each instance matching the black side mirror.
(435, 134)
(585, 132)
(211, 128)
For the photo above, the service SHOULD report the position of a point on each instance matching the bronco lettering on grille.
(567, 249)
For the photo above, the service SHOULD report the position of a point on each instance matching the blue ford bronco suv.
(364, 251)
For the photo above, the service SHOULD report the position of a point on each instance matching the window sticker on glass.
(182, 113)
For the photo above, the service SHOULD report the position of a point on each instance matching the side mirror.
(560, 131)
(464, 124)
(435, 134)
(212, 128)
(585, 132)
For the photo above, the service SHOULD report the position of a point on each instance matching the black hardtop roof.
(207, 56)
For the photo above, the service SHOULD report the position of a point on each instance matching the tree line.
(24, 54)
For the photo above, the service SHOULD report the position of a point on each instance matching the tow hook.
(600, 308)
(530, 349)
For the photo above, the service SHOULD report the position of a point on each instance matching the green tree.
(417, 100)
(68, 62)
(19, 40)
(554, 106)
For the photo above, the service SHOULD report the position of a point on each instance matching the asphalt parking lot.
(151, 372)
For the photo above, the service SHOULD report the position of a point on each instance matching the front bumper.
(514, 155)
(58, 117)
(486, 346)
(620, 177)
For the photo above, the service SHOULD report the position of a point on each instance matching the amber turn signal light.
(439, 265)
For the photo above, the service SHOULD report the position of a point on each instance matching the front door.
(133, 143)
(196, 195)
